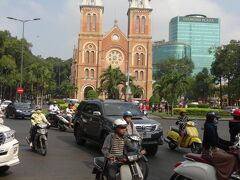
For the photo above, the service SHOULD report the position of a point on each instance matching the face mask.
(215, 121)
(38, 111)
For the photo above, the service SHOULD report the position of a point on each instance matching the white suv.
(8, 148)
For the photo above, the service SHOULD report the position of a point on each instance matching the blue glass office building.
(163, 50)
(201, 33)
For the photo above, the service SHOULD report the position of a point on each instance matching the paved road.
(67, 161)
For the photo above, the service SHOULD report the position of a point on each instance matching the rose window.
(115, 58)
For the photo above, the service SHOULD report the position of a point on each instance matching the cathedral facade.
(96, 51)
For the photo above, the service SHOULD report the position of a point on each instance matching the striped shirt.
(118, 146)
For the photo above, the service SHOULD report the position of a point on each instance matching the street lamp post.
(23, 21)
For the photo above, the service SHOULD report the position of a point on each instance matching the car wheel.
(78, 136)
(3, 169)
(152, 150)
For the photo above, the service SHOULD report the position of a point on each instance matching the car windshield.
(23, 105)
(117, 109)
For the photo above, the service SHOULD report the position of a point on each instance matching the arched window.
(86, 73)
(87, 57)
(141, 75)
(92, 74)
(137, 24)
(137, 59)
(141, 59)
(143, 24)
(89, 22)
(92, 57)
(94, 17)
(136, 75)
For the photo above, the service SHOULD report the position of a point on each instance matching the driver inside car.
(115, 145)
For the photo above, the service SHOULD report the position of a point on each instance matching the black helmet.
(211, 116)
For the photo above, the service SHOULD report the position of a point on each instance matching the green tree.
(173, 79)
(67, 88)
(203, 85)
(7, 73)
(184, 66)
(110, 81)
(226, 67)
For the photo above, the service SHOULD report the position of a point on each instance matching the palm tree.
(110, 81)
(171, 86)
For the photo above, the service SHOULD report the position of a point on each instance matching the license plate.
(147, 135)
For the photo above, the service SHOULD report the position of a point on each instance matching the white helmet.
(119, 123)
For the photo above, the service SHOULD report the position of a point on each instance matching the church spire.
(139, 4)
(92, 3)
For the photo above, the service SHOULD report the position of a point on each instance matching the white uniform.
(54, 108)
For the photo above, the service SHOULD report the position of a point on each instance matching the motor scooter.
(196, 168)
(133, 166)
(53, 118)
(190, 140)
(40, 140)
(64, 123)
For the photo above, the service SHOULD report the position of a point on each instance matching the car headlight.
(9, 136)
(158, 127)
(18, 110)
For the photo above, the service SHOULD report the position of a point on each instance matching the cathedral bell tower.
(140, 44)
(89, 46)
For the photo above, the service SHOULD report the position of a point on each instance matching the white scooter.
(197, 168)
(132, 167)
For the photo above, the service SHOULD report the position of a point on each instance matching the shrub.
(200, 111)
(63, 106)
(59, 101)
(92, 94)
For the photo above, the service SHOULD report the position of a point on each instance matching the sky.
(57, 32)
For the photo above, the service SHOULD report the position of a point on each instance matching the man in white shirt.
(54, 107)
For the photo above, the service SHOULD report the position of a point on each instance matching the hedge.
(200, 111)
(59, 101)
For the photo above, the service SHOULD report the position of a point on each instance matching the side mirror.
(96, 113)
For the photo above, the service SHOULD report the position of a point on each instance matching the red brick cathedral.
(97, 51)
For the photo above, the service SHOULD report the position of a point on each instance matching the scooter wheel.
(177, 176)
(99, 176)
(196, 148)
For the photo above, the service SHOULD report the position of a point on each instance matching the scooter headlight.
(133, 158)
(9, 136)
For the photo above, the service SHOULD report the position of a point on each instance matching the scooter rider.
(214, 149)
(69, 113)
(54, 107)
(234, 125)
(131, 129)
(36, 118)
(116, 144)
(182, 120)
